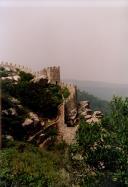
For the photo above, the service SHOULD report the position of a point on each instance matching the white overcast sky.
(88, 39)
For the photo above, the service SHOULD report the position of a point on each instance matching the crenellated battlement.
(13, 66)
(51, 73)
(67, 108)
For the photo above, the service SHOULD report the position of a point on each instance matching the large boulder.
(34, 117)
(87, 117)
(86, 104)
(27, 121)
(82, 106)
(71, 117)
(97, 114)
(93, 120)
(85, 111)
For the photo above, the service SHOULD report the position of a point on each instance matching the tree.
(105, 145)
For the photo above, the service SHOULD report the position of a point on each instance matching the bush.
(31, 167)
(3, 72)
(65, 92)
(43, 99)
(25, 77)
(105, 146)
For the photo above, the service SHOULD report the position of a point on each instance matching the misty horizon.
(88, 43)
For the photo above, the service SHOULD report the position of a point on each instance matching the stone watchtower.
(53, 74)
(50, 73)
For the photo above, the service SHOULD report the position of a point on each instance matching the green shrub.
(25, 76)
(65, 92)
(43, 99)
(31, 167)
(105, 145)
(3, 72)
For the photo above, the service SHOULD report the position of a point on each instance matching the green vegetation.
(25, 77)
(41, 98)
(26, 165)
(104, 148)
(65, 92)
(3, 72)
(96, 103)
(23, 96)
(99, 158)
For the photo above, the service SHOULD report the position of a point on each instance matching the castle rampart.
(12, 66)
(51, 73)
(53, 76)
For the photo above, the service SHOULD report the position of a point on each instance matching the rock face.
(10, 74)
(38, 129)
(98, 114)
(85, 111)
(24, 123)
(71, 117)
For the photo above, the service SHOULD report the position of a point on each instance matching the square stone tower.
(53, 74)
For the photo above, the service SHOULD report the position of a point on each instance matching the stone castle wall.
(51, 73)
(65, 133)
(70, 104)
(16, 66)
(53, 76)
(71, 101)
(60, 122)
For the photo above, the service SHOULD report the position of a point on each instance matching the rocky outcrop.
(68, 112)
(85, 111)
(9, 73)
(25, 123)
(71, 117)
(98, 114)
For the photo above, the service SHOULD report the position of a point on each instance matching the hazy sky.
(88, 40)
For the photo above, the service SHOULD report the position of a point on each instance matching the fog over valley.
(88, 43)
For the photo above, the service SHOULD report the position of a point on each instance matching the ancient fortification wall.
(72, 99)
(51, 73)
(16, 66)
(64, 133)
(70, 104)
(53, 76)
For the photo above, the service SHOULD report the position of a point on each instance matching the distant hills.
(101, 90)
(95, 103)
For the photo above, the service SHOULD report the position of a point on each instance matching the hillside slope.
(101, 90)
(95, 103)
